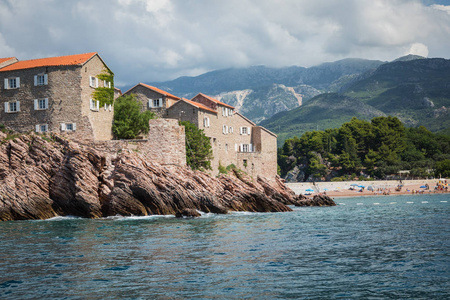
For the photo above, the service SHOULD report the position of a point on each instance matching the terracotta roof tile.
(68, 60)
(199, 105)
(160, 91)
(215, 100)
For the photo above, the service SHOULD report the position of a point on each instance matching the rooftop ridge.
(67, 60)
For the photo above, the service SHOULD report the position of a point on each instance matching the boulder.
(187, 213)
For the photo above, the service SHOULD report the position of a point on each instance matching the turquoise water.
(365, 248)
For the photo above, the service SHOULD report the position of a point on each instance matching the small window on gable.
(157, 102)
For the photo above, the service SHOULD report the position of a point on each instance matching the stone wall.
(68, 93)
(101, 120)
(226, 143)
(165, 143)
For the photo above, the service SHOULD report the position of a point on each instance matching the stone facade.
(61, 104)
(234, 139)
(164, 144)
(153, 99)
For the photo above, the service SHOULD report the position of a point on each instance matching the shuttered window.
(40, 79)
(41, 104)
(12, 83)
(94, 105)
(68, 126)
(41, 128)
(93, 81)
(12, 107)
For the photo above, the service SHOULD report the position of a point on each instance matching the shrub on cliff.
(198, 147)
(129, 121)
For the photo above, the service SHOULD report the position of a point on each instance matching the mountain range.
(259, 92)
(416, 91)
(290, 101)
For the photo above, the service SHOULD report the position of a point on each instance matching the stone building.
(153, 99)
(55, 94)
(234, 139)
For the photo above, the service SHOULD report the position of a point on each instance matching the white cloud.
(418, 49)
(445, 8)
(156, 40)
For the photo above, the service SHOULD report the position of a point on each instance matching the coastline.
(380, 188)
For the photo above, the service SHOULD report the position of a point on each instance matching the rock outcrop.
(42, 177)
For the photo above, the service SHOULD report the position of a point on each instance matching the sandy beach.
(371, 188)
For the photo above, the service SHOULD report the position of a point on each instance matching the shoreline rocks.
(42, 177)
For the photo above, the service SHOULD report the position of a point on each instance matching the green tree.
(129, 121)
(443, 168)
(198, 147)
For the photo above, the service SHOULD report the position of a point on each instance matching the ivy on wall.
(105, 95)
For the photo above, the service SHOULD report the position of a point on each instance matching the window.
(246, 148)
(12, 107)
(226, 147)
(12, 83)
(93, 81)
(245, 130)
(230, 129)
(225, 129)
(40, 104)
(206, 122)
(40, 79)
(227, 112)
(94, 105)
(41, 128)
(68, 126)
(106, 84)
(157, 102)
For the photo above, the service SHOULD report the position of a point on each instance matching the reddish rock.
(41, 178)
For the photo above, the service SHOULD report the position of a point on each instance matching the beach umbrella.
(370, 188)
(309, 190)
(325, 189)
(422, 187)
(361, 186)
(354, 184)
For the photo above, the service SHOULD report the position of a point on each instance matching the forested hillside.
(365, 149)
(416, 91)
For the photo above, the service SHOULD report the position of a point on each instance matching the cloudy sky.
(158, 40)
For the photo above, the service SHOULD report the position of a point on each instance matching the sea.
(382, 247)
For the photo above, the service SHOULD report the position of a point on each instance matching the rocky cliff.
(46, 176)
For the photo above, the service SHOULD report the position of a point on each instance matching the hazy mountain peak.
(409, 57)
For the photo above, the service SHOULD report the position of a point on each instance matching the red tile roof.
(215, 100)
(69, 60)
(199, 105)
(159, 91)
(5, 59)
